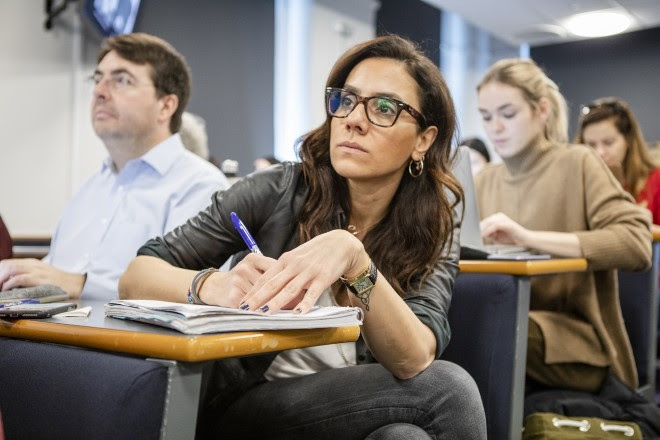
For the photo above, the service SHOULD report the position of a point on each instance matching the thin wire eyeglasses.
(120, 82)
(380, 110)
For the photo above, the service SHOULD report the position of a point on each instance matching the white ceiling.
(538, 22)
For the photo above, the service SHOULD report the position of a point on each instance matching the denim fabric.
(398, 431)
(351, 403)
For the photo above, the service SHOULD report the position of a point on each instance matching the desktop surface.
(524, 268)
(116, 335)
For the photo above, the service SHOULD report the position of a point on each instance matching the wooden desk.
(522, 271)
(524, 268)
(186, 356)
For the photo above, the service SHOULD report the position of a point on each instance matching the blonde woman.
(562, 200)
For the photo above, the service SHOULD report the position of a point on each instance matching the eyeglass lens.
(380, 110)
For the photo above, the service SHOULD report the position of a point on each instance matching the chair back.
(638, 295)
(483, 323)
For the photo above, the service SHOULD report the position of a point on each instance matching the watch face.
(362, 286)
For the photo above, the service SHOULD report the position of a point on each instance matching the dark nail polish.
(265, 308)
(244, 307)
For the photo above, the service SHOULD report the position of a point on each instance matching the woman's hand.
(300, 276)
(501, 229)
(228, 289)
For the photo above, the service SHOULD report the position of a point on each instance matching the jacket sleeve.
(431, 302)
(209, 238)
(619, 233)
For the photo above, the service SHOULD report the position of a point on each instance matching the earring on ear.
(419, 167)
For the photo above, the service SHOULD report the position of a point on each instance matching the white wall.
(47, 145)
(466, 53)
(310, 35)
(336, 26)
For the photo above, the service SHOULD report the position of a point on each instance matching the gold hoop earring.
(419, 167)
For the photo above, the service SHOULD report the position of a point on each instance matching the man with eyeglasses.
(147, 186)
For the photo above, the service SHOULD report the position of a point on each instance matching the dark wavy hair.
(169, 69)
(417, 229)
(637, 164)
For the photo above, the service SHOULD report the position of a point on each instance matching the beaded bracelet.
(196, 285)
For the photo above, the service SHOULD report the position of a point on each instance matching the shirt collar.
(160, 158)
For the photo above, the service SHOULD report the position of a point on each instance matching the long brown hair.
(418, 228)
(169, 69)
(637, 164)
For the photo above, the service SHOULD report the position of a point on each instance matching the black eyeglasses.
(614, 106)
(381, 111)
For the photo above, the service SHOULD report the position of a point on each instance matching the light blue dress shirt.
(113, 214)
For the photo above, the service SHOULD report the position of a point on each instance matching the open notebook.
(199, 319)
(472, 245)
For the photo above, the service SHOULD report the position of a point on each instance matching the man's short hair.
(169, 69)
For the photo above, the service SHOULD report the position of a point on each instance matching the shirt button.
(121, 188)
(104, 221)
(361, 358)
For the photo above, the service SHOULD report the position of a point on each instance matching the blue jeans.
(359, 402)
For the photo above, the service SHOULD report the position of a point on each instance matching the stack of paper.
(199, 319)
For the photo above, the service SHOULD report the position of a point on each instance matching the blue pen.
(245, 234)
(23, 301)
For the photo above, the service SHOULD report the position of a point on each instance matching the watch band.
(362, 284)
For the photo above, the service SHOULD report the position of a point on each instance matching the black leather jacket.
(268, 202)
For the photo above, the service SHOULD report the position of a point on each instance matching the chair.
(488, 319)
(51, 391)
(638, 294)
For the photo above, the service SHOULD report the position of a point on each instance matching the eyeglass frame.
(97, 78)
(400, 106)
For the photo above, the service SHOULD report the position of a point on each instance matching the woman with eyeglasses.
(366, 219)
(559, 199)
(608, 126)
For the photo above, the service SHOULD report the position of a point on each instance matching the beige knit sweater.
(569, 189)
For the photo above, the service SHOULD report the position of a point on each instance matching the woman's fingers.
(309, 299)
(300, 276)
(276, 288)
(229, 289)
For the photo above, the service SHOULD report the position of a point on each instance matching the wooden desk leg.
(181, 399)
(520, 358)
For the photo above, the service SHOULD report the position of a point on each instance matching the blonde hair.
(527, 76)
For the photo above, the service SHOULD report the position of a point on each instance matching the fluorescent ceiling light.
(597, 23)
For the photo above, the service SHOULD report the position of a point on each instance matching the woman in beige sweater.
(562, 200)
